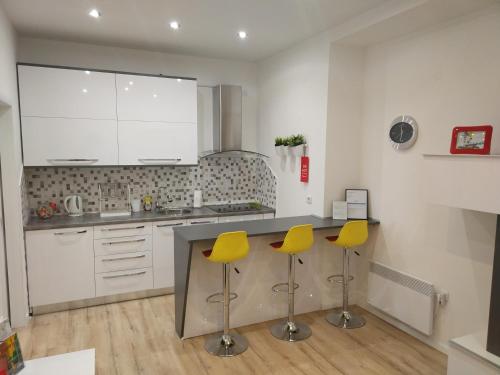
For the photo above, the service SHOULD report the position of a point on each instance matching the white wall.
(442, 78)
(293, 89)
(345, 99)
(10, 153)
(209, 72)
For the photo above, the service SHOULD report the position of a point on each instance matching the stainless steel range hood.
(228, 122)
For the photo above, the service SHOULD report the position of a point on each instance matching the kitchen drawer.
(134, 244)
(204, 220)
(123, 281)
(120, 262)
(122, 230)
(230, 219)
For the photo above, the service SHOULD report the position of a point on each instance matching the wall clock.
(403, 132)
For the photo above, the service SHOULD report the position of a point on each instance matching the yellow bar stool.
(352, 234)
(229, 247)
(298, 239)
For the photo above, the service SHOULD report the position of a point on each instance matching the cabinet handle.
(168, 225)
(202, 222)
(69, 233)
(160, 160)
(127, 228)
(123, 258)
(124, 275)
(72, 161)
(122, 242)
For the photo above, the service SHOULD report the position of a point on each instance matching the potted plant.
(280, 146)
(296, 144)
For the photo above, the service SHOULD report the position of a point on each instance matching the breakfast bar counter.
(196, 278)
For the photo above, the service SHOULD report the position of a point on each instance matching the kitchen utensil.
(73, 205)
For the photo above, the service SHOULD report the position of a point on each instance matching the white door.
(66, 93)
(143, 98)
(4, 300)
(157, 143)
(163, 253)
(62, 141)
(60, 265)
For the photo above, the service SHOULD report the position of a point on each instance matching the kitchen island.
(196, 278)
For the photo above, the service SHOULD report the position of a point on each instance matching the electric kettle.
(73, 205)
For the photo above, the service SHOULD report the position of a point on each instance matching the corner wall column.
(493, 343)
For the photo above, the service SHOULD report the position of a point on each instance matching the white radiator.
(402, 296)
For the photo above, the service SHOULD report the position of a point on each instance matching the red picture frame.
(463, 138)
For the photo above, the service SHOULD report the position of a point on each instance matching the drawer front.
(122, 230)
(123, 281)
(230, 219)
(204, 220)
(134, 244)
(121, 262)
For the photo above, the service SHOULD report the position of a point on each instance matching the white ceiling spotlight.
(242, 34)
(174, 25)
(95, 13)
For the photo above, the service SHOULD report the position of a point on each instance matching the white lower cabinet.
(127, 281)
(163, 253)
(121, 262)
(60, 265)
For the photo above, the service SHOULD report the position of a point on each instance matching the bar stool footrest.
(219, 297)
(283, 287)
(339, 278)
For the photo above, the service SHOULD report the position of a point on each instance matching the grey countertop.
(87, 220)
(258, 227)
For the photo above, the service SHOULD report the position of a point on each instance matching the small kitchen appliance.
(114, 199)
(73, 205)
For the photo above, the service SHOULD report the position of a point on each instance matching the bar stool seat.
(298, 239)
(352, 234)
(229, 247)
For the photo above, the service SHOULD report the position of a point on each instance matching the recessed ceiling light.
(87, 72)
(95, 13)
(179, 80)
(175, 25)
(126, 88)
(155, 95)
(242, 34)
(85, 91)
(131, 83)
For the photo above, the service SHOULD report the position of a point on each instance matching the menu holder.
(357, 203)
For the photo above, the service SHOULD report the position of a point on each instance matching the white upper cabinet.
(157, 99)
(157, 143)
(66, 93)
(62, 141)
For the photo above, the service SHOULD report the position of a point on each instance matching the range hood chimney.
(228, 122)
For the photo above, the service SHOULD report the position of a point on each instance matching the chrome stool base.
(344, 319)
(229, 345)
(291, 331)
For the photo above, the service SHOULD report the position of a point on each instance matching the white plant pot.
(280, 150)
(296, 151)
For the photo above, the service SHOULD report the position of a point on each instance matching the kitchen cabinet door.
(62, 141)
(163, 253)
(234, 218)
(143, 98)
(66, 93)
(157, 143)
(60, 265)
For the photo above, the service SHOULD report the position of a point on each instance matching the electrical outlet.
(309, 199)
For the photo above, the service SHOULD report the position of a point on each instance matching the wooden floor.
(138, 337)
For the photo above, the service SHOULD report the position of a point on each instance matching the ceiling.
(208, 27)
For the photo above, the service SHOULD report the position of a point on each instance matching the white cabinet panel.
(60, 141)
(163, 253)
(204, 220)
(68, 93)
(122, 230)
(144, 98)
(230, 219)
(107, 246)
(60, 265)
(268, 216)
(157, 143)
(121, 262)
(123, 281)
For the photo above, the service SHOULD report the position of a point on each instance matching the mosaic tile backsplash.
(230, 179)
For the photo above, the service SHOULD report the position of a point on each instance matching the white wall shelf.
(491, 156)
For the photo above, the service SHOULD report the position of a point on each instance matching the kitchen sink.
(175, 211)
